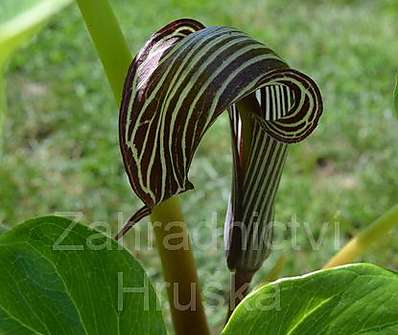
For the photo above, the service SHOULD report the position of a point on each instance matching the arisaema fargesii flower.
(186, 76)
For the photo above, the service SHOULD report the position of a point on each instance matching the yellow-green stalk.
(360, 243)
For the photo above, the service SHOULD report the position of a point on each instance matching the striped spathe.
(184, 77)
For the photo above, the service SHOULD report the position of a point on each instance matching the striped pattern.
(304, 111)
(248, 226)
(280, 99)
(180, 82)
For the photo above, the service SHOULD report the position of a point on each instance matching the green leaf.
(60, 277)
(21, 19)
(354, 299)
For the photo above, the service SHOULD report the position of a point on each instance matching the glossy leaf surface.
(59, 277)
(354, 299)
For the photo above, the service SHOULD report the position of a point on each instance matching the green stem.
(179, 269)
(178, 263)
(109, 41)
(357, 246)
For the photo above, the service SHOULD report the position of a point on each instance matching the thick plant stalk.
(360, 243)
(178, 264)
(179, 269)
(109, 41)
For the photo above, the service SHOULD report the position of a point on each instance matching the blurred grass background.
(61, 135)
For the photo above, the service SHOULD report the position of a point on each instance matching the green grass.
(61, 141)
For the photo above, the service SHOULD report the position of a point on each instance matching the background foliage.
(61, 143)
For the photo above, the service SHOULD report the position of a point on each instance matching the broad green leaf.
(20, 19)
(354, 299)
(60, 277)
